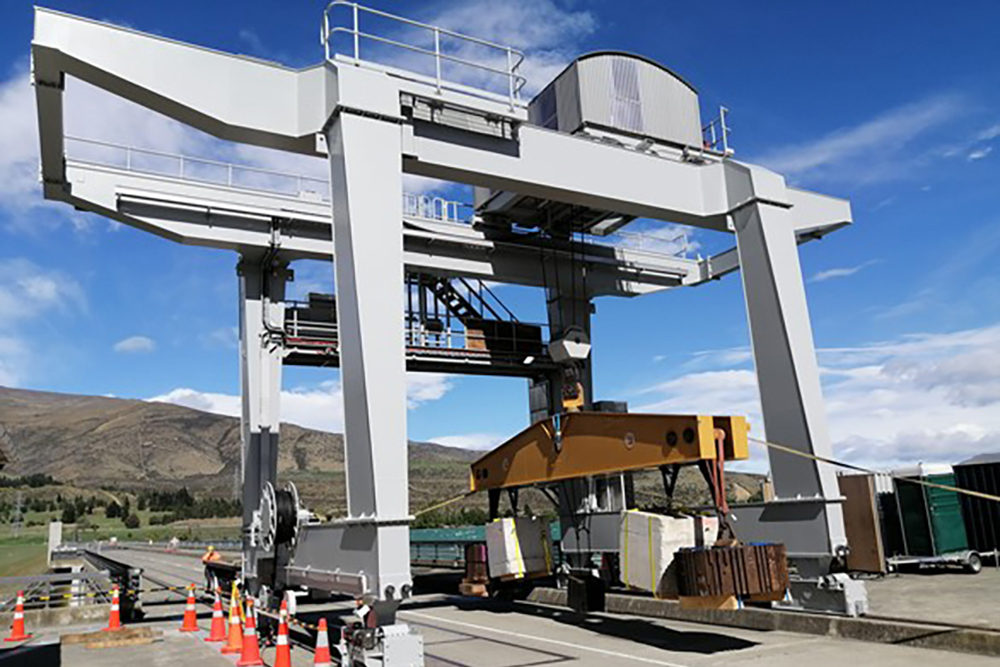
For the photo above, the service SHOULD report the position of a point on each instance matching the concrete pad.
(174, 651)
(938, 596)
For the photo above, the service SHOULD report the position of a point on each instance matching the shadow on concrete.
(637, 630)
(30, 655)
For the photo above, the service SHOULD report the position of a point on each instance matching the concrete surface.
(939, 596)
(465, 633)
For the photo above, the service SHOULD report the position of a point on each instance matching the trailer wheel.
(973, 564)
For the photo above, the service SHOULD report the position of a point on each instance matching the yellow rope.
(443, 503)
(851, 466)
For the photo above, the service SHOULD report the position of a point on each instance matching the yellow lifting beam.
(585, 444)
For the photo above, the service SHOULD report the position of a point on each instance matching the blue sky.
(893, 105)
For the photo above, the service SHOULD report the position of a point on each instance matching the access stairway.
(450, 325)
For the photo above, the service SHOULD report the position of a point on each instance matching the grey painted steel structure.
(375, 123)
(646, 100)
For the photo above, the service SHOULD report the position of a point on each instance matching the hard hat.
(211, 548)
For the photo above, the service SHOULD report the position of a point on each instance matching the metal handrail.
(183, 160)
(514, 57)
(641, 241)
(716, 134)
(415, 333)
(433, 208)
(421, 206)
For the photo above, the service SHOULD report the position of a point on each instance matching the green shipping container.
(931, 518)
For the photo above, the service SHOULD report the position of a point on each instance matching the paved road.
(461, 633)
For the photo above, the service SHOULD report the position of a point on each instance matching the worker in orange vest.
(211, 556)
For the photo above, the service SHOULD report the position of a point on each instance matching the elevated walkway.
(443, 332)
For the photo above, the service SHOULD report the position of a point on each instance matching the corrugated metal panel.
(623, 92)
(670, 106)
(931, 518)
(568, 95)
(630, 94)
(982, 517)
(595, 84)
(626, 101)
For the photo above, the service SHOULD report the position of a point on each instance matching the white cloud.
(223, 337)
(866, 152)
(18, 141)
(838, 272)
(28, 293)
(28, 290)
(991, 132)
(477, 441)
(318, 407)
(13, 355)
(135, 345)
(921, 397)
(979, 153)
(426, 387)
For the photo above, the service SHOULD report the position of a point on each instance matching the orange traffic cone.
(321, 658)
(283, 652)
(218, 632)
(190, 623)
(235, 641)
(251, 649)
(17, 629)
(115, 621)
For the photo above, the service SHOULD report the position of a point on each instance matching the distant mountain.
(93, 441)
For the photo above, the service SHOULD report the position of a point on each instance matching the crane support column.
(262, 312)
(806, 513)
(367, 194)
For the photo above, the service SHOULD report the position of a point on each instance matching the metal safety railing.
(69, 589)
(446, 47)
(715, 135)
(436, 208)
(676, 244)
(235, 175)
(430, 335)
(197, 169)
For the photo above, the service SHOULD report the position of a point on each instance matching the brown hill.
(93, 441)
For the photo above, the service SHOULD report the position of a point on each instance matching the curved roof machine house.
(618, 98)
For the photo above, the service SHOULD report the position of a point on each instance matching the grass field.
(19, 558)
(25, 554)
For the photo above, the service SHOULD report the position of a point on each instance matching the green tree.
(113, 510)
(69, 514)
(132, 521)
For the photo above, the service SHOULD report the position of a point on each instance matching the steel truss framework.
(374, 124)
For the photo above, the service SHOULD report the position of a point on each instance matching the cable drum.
(286, 508)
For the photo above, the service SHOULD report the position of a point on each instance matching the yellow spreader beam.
(584, 444)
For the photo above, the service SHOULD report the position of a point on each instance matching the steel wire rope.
(850, 466)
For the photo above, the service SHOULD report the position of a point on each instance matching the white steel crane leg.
(806, 514)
